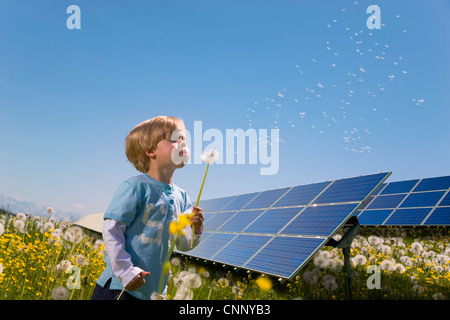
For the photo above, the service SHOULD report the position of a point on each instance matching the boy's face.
(171, 151)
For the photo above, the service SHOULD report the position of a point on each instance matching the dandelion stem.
(201, 188)
(198, 200)
(118, 298)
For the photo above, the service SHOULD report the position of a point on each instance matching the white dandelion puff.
(320, 262)
(387, 265)
(19, 224)
(64, 265)
(210, 156)
(60, 293)
(192, 281)
(310, 277)
(359, 260)
(416, 246)
(331, 285)
(49, 225)
(21, 216)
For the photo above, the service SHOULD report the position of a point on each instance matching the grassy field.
(44, 259)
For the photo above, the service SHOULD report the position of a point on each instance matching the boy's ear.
(151, 153)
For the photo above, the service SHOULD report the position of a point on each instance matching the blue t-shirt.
(147, 207)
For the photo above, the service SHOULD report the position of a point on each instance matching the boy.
(136, 226)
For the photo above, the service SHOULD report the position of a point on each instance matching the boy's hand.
(137, 281)
(197, 219)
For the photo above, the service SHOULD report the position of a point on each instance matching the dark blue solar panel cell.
(373, 217)
(399, 187)
(272, 220)
(242, 248)
(301, 195)
(283, 256)
(210, 246)
(386, 202)
(240, 221)
(405, 217)
(422, 199)
(240, 201)
(217, 220)
(446, 200)
(319, 220)
(439, 183)
(219, 204)
(266, 199)
(440, 216)
(351, 189)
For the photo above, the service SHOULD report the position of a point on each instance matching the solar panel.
(386, 201)
(319, 220)
(438, 183)
(240, 220)
(352, 189)
(266, 199)
(217, 220)
(277, 231)
(399, 187)
(439, 217)
(211, 245)
(272, 220)
(283, 256)
(445, 201)
(239, 202)
(374, 217)
(411, 203)
(241, 249)
(405, 217)
(301, 195)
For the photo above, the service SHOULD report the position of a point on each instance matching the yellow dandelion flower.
(184, 220)
(264, 283)
(173, 227)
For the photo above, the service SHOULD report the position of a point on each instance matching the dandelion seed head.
(210, 156)
(60, 293)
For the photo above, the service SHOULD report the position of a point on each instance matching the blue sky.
(347, 100)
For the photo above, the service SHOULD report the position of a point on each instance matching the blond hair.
(145, 136)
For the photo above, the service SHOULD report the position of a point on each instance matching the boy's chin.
(181, 165)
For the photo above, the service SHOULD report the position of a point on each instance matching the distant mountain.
(15, 205)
